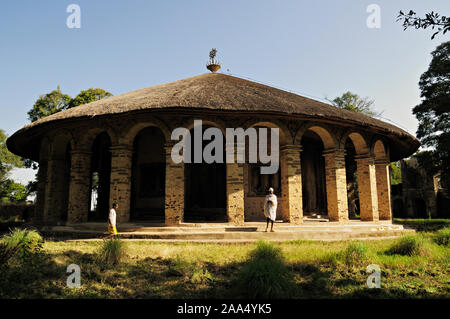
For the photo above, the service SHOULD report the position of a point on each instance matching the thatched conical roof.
(216, 91)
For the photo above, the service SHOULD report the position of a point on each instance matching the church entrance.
(148, 176)
(205, 189)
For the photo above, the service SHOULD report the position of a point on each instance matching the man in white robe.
(270, 208)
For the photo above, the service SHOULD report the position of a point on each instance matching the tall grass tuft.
(112, 252)
(25, 244)
(442, 237)
(265, 274)
(408, 245)
(355, 253)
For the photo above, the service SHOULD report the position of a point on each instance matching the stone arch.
(359, 142)
(58, 177)
(256, 184)
(207, 122)
(205, 183)
(285, 136)
(149, 159)
(314, 141)
(59, 142)
(99, 174)
(133, 131)
(379, 150)
(88, 136)
(328, 139)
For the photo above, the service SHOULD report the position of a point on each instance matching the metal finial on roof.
(213, 65)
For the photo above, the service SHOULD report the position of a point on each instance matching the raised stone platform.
(223, 232)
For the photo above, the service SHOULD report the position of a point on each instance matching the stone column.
(120, 189)
(383, 189)
(54, 191)
(291, 184)
(336, 185)
(79, 189)
(367, 187)
(174, 189)
(38, 217)
(235, 189)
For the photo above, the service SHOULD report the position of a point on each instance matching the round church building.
(330, 162)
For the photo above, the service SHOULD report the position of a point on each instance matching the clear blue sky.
(315, 48)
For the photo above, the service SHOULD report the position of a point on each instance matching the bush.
(6, 253)
(265, 274)
(112, 252)
(408, 245)
(26, 244)
(355, 253)
(442, 237)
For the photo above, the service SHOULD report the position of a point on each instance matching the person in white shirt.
(112, 230)
(270, 208)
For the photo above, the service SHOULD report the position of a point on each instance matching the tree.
(49, 104)
(433, 20)
(88, 96)
(433, 113)
(9, 190)
(353, 102)
(7, 159)
(56, 101)
(396, 173)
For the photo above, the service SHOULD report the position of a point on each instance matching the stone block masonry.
(336, 185)
(291, 184)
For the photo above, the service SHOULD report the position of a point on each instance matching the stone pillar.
(336, 185)
(54, 191)
(39, 208)
(383, 190)
(367, 187)
(291, 184)
(120, 189)
(79, 189)
(235, 189)
(174, 189)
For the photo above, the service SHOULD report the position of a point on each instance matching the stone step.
(225, 227)
(205, 236)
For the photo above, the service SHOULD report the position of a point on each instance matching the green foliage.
(27, 245)
(48, 104)
(7, 159)
(424, 225)
(396, 173)
(433, 20)
(56, 101)
(88, 96)
(7, 252)
(355, 253)
(433, 113)
(265, 274)
(353, 102)
(408, 245)
(11, 191)
(112, 252)
(442, 237)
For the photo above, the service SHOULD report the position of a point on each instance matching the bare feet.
(266, 230)
(272, 231)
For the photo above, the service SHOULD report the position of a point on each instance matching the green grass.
(424, 225)
(355, 253)
(265, 274)
(112, 252)
(409, 245)
(442, 236)
(297, 269)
